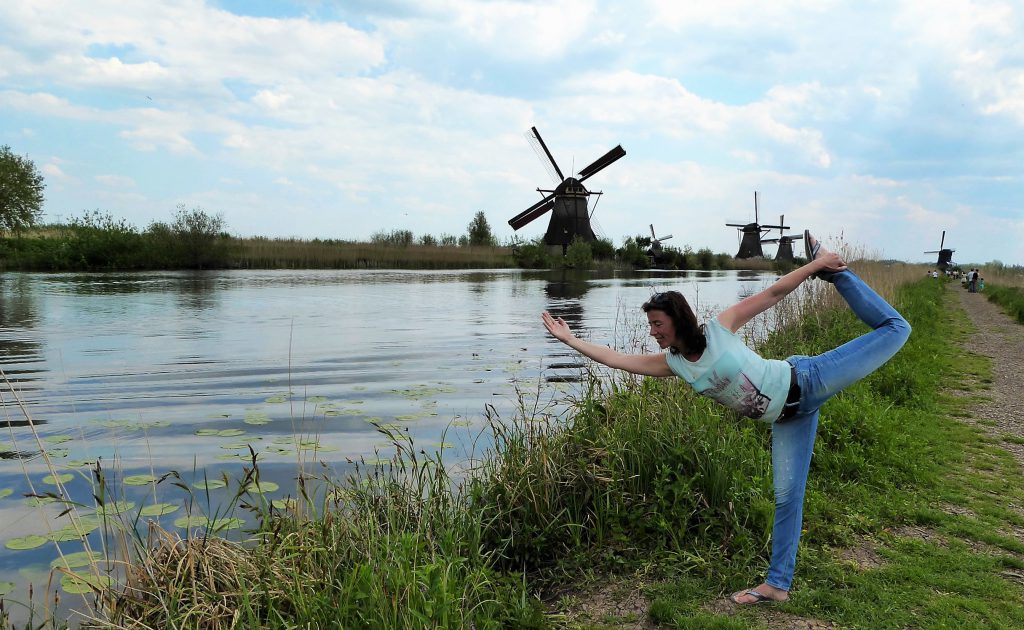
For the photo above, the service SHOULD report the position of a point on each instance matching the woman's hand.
(831, 261)
(557, 327)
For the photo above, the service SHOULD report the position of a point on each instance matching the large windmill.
(750, 243)
(785, 241)
(945, 255)
(568, 200)
(656, 252)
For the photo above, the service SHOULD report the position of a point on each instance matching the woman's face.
(662, 328)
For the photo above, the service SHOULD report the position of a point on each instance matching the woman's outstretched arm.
(735, 316)
(644, 364)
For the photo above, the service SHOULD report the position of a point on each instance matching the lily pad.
(207, 432)
(159, 509)
(236, 445)
(62, 478)
(277, 398)
(256, 419)
(139, 480)
(6, 588)
(32, 541)
(57, 439)
(117, 507)
(64, 535)
(76, 560)
(79, 463)
(191, 521)
(262, 487)
(317, 399)
(231, 432)
(77, 584)
(209, 484)
(284, 504)
(40, 501)
(6, 492)
(224, 524)
(233, 457)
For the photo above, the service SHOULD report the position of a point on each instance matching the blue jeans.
(820, 378)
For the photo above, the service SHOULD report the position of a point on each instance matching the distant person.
(972, 281)
(935, 273)
(716, 362)
(981, 283)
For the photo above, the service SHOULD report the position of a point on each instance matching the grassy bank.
(1009, 297)
(644, 478)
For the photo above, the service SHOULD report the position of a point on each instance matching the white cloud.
(53, 170)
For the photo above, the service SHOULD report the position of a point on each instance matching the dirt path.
(1001, 338)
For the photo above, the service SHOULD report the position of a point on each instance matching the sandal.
(812, 247)
(758, 598)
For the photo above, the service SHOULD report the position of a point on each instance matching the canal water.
(154, 373)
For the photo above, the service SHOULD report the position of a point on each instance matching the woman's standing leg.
(792, 445)
(820, 378)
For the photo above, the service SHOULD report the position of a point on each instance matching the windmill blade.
(736, 225)
(943, 241)
(665, 238)
(769, 240)
(932, 252)
(532, 212)
(756, 220)
(602, 162)
(536, 141)
(652, 231)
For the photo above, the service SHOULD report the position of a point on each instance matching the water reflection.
(197, 291)
(21, 354)
(564, 289)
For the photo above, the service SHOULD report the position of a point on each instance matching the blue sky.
(883, 122)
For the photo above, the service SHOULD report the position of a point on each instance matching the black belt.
(792, 400)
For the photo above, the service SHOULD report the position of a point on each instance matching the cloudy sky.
(885, 122)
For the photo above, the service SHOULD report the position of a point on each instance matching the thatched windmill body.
(945, 255)
(568, 201)
(656, 252)
(785, 241)
(751, 235)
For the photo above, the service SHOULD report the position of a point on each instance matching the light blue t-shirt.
(734, 375)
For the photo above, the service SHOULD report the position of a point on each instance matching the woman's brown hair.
(673, 304)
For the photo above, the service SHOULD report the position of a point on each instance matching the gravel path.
(1001, 338)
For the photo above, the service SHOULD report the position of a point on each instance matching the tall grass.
(640, 469)
(266, 253)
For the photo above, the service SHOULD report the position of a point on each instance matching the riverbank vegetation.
(197, 239)
(642, 478)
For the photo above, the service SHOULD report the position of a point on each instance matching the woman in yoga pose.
(716, 362)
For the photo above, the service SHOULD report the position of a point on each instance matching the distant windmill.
(568, 201)
(945, 255)
(785, 241)
(750, 244)
(656, 253)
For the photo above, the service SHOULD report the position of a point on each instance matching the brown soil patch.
(618, 603)
(864, 557)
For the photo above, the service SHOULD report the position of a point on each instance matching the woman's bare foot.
(765, 593)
